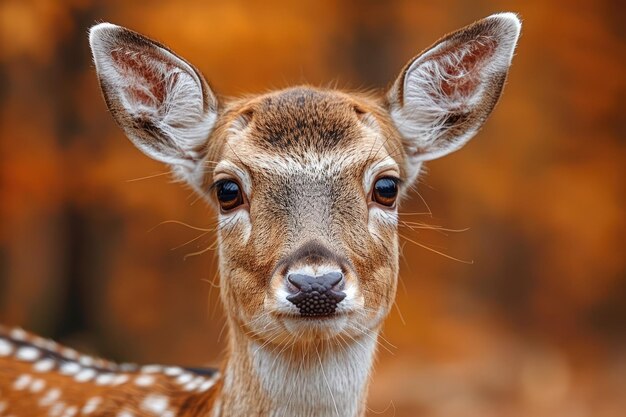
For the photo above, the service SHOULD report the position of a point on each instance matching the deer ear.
(162, 103)
(443, 96)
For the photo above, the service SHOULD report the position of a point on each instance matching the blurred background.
(536, 326)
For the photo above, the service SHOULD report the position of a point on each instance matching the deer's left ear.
(444, 95)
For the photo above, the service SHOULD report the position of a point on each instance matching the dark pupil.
(386, 188)
(228, 191)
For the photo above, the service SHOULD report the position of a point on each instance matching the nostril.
(316, 296)
(333, 278)
(301, 282)
(292, 288)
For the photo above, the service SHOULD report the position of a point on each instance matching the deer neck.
(321, 379)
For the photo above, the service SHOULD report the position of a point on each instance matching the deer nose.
(316, 295)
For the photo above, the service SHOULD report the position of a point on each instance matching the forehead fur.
(303, 119)
(306, 124)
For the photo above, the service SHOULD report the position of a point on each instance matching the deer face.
(306, 182)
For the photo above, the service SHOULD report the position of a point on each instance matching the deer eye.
(385, 191)
(228, 194)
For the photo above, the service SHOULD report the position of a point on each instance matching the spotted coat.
(39, 377)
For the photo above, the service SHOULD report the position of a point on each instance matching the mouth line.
(314, 319)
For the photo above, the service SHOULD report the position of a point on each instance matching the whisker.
(421, 197)
(190, 241)
(147, 177)
(213, 284)
(181, 224)
(199, 196)
(213, 246)
(423, 226)
(391, 405)
(436, 251)
(415, 213)
(200, 252)
(397, 307)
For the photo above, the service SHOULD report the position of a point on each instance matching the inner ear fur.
(443, 96)
(162, 102)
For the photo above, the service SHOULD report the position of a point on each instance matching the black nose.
(317, 296)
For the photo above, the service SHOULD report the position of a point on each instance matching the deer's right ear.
(162, 103)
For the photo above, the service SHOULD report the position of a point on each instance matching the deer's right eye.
(385, 191)
(229, 194)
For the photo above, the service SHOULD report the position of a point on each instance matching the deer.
(306, 184)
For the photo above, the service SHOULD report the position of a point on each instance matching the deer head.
(306, 182)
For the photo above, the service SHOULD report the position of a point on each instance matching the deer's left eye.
(385, 191)
(229, 194)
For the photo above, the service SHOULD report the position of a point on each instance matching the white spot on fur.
(22, 382)
(18, 334)
(127, 367)
(86, 360)
(194, 384)
(3, 406)
(56, 409)
(6, 347)
(85, 375)
(50, 345)
(151, 369)
(44, 365)
(70, 411)
(144, 380)
(40, 342)
(70, 368)
(38, 385)
(184, 378)
(125, 413)
(156, 404)
(70, 353)
(120, 379)
(27, 353)
(91, 405)
(105, 379)
(173, 371)
(50, 397)
(206, 385)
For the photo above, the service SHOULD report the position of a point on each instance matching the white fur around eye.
(236, 222)
(386, 164)
(381, 218)
(388, 217)
(240, 174)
